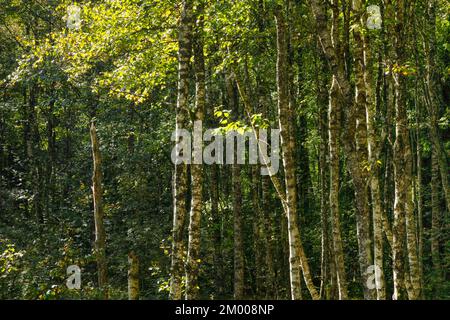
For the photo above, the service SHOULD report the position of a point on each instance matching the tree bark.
(404, 219)
(133, 276)
(296, 254)
(97, 196)
(356, 145)
(374, 164)
(180, 175)
(193, 255)
(338, 94)
(328, 288)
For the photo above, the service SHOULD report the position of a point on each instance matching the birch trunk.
(296, 254)
(133, 276)
(358, 156)
(327, 266)
(193, 255)
(375, 188)
(97, 196)
(404, 219)
(180, 175)
(338, 94)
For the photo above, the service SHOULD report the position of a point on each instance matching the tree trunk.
(133, 276)
(404, 220)
(374, 164)
(97, 196)
(333, 135)
(358, 157)
(296, 254)
(338, 94)
(328, 266)
(193, 255)
(288, 156)
(180, 175)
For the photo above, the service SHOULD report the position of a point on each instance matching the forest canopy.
(235, 149)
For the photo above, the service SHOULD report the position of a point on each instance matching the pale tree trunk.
(193, 255)
(300, 168)
(338, 94)
(297, 257)
(401, 186)
(415, 281)
(97, 196)
(133, 276)
(328, 268)
(333, 135)
(388, 188)
(357, 131)
(404, 219)
(180, 175)
(375, 189)
(328, 287)
(418, 190)
(377, 226)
